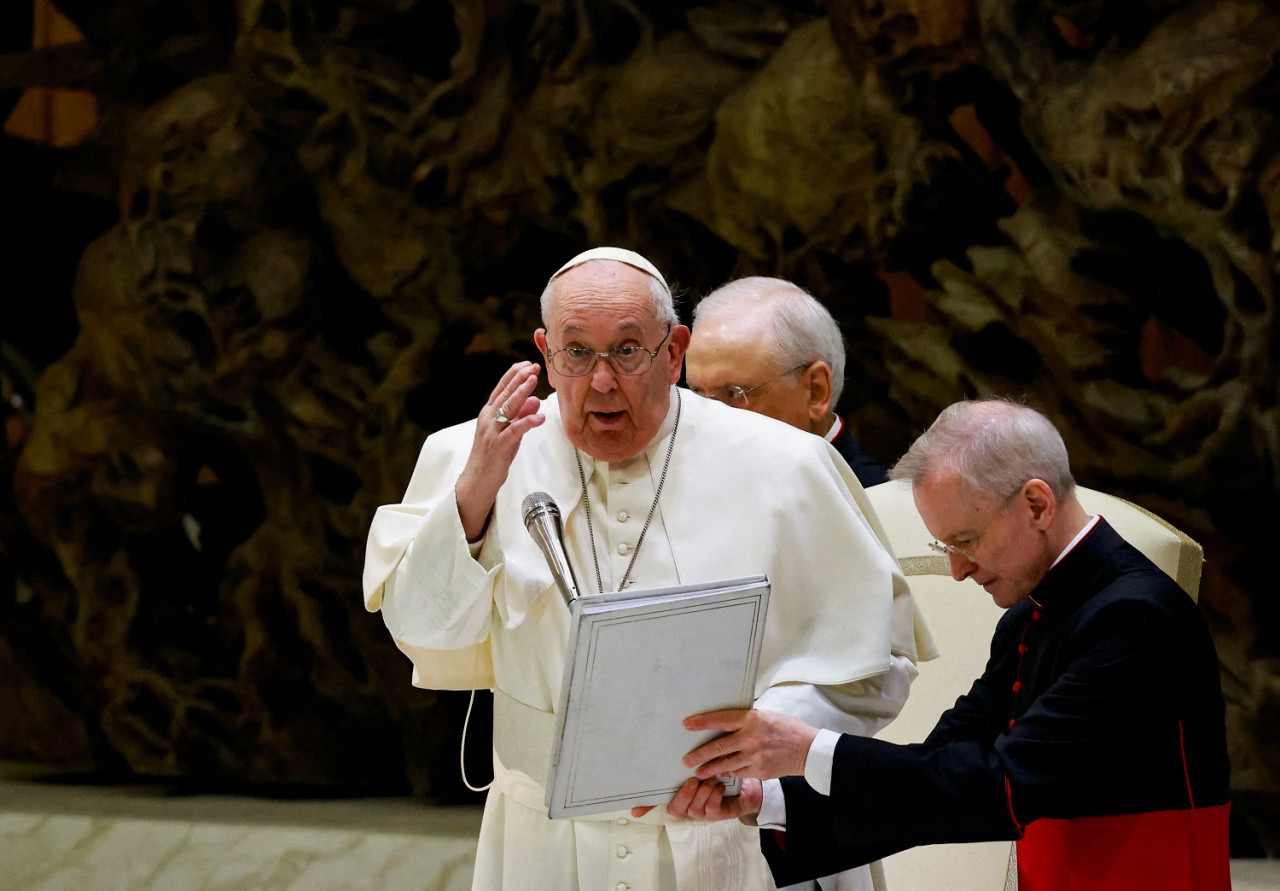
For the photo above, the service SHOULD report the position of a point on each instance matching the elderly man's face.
(997, 540)
(730, 351)
(604, 306)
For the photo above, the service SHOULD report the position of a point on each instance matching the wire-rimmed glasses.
(737, 396)
(630, 358)
(967, 548)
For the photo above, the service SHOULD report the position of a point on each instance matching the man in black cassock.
(1095, 736)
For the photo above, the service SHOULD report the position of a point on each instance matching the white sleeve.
(817, 773)
(860, 708)
(438, 596)
(419, 570)
(773, 807)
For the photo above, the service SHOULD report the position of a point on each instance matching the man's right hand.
(705, 800)
(495, 445)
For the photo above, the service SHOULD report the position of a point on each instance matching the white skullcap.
(622, 255)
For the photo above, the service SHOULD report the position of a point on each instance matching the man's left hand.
(760, 744)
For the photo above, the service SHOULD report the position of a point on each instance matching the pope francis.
(657, 487)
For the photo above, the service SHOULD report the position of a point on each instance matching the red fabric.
(1183, 850)
(1008, 800)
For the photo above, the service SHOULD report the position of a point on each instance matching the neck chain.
(586, 503)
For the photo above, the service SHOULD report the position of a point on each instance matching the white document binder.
(639, 663)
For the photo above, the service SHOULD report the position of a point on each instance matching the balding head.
(994, 445)
(992, 484)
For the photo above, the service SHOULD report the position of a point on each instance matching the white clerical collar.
(1084, 530)
(835, 429)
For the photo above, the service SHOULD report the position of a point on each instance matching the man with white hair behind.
(655, 489)
(769, 346)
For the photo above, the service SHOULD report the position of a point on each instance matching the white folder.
(639, 663)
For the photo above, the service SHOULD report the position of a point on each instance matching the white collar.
(835, 429)
(1084, 530)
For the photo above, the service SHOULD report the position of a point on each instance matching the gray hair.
(664, 302)
(995, 445)
(804, 330)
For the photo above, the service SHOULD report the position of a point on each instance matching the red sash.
(1183, 850)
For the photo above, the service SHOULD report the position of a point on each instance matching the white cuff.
(773, 807)
(817, 767)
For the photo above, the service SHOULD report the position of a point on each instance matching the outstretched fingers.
(720, 755)
(510, 412)
(764, 745)
(512, 399)
(724, 719)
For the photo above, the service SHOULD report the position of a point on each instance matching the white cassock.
(744, 495)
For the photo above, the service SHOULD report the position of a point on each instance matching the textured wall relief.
(311, 233)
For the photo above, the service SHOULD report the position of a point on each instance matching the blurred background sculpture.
(282, 240)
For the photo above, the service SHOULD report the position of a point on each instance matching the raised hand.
(510, 412)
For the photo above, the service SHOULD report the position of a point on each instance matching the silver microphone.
(542, 519)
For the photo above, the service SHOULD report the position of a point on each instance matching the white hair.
(995, 445)
(804, 331)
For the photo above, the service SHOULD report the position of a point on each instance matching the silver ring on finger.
(501, 415)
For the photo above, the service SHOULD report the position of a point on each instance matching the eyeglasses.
(965, 550)
(630, 358)
(737, 396)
